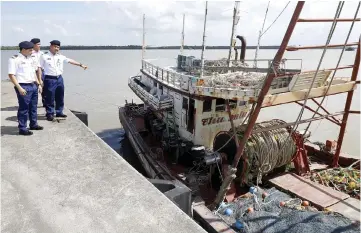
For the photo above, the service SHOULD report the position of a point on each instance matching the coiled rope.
(267, 150)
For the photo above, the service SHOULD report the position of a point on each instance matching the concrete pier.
(66, 179)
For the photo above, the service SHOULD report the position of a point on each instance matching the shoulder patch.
(15, 56)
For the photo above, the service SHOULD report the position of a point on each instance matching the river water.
(103, 87)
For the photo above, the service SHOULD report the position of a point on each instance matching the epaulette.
(46, 52)
(15, 56)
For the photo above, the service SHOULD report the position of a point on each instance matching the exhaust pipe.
(243, 47)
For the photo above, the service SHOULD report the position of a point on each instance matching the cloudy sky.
(120, 23)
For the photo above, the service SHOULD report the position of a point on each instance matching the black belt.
(28, 83)
(52, 77)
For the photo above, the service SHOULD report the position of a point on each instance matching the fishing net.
(223, 78)
(267, 215)
(345, 180)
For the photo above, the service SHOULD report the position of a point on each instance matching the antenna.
(259, 37)
(143, 46)
(182, 43)
(234, 23)
(204, 39)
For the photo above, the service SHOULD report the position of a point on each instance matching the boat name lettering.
(216, 120)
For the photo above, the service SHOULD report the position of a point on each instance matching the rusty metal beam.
(347, 107)
(291, 48)
(266, 86)
(354, 112)
(327, 20)
(268, 81)
(318, 104)
(312, 110)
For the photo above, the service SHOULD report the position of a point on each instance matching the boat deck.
(66, 179)
(319, 195)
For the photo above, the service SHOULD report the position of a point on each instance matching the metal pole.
(182, 42)
(263, 93)
(143, 45)
(268, 81)
(312, 110)
(260, 35)
(234, 23)
(347, 107)
(318, 104)
(204, 39)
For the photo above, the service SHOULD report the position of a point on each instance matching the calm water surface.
(103, 87)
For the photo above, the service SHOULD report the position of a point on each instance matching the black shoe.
(50, 118)
(61, 115)
(37, 127)
(26, 133)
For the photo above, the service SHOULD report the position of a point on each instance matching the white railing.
(166, 76)
(148, 98)
(196, 85)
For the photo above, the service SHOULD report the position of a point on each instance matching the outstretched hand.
(84, 67)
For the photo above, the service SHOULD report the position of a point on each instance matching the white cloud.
(61, 29)
(47, 31)
(120, 23)
(18, 29)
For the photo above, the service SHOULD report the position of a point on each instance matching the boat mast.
(182, 44)
(143, 46)
(234, 23)
(259, 37)
(204, 39)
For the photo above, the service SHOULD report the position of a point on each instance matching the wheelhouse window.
(220, 105)
(232, 104)
(185, 103)
(207, 105)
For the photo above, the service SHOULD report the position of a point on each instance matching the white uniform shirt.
(36, 57)
(22, 67)
(53, 64)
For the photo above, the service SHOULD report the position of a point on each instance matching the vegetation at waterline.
(139, 47)
(135, 47)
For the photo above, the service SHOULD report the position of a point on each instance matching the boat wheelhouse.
(196, 106)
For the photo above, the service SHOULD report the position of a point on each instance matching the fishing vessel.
(198, 123)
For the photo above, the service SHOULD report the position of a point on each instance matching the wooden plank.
(288, 97)
(211, 222)
(317, 194)
(349, 208)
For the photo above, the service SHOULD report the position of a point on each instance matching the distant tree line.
(134, 47)
(138, 47)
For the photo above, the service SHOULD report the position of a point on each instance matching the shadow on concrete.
(10, 109)
(42, 118)
(12, 118)
(118, 141)
(15, 118)
(9, 130)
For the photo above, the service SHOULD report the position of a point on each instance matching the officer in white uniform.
(22, 75)
(52, 63)
(36, 56)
